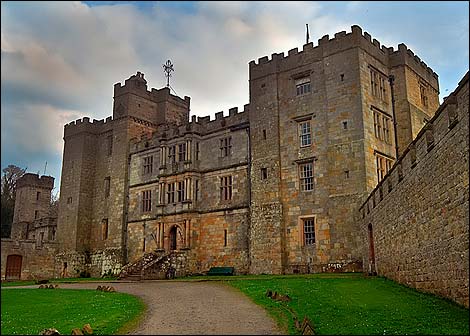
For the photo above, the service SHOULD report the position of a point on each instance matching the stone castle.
(294, 183)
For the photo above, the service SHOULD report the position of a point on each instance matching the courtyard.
(341, 304)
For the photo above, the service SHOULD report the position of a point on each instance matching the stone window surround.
(305, 133)
(382, 124)
(301, 164)
(147, 165)
(226, 188)
(383, 164)
(378, 82)
(300, 222)
(146, 200)
(226, 146)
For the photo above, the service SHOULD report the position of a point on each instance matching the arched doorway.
(371, 251)
(13, 269)
(173, 238)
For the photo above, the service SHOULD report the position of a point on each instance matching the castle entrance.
(13, 269)
(173, 238)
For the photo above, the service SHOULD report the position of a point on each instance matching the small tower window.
(264, 173)
(37, 195)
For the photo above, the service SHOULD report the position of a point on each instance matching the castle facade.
(275, 188)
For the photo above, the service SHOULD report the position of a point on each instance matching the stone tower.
(322, 136)
(33, 197)
(93, 207)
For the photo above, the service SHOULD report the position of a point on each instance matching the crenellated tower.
(94, 186)
(33, 199)
(322, 131)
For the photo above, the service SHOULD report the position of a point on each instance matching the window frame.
(146, 200)
(226, 146)
(182, 152)
(302, 133)
(383, 165)
(308, 237)
(306, 181)
(147, 166)
(303, 86)
(226, 188)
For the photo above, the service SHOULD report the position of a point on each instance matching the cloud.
(60, 60)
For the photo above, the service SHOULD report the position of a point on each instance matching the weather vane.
(168, 68)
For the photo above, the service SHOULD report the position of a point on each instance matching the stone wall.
(38, 260)
(415, 223)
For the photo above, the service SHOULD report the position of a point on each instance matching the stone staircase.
(154, 265)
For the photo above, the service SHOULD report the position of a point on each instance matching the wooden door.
(13, 269)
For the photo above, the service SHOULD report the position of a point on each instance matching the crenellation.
(233, 111)
(307, 47)
(293, 52)
(427, 186)
(241, 189)
(323, 40)
(356, 30)
(340, 34)
(263, 60)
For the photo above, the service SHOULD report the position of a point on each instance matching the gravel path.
(193, 308)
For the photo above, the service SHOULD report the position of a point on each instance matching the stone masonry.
(415, 223)
(32, 245)
(272, 189)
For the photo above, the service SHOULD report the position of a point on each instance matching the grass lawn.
(58, 280)
(353, 304)
(28, 311)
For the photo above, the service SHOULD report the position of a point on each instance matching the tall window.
(225, 146)
(182, 152)
(382, 126)
(303, 86)
(305, 134)
(196, 191)
(226, 188)
(384, 164)
(146, 200)
(104, 229)
(148, 165)
(172, 154)
(181, 191)
(378, 84)
(107, 185)
(423, 94)
(309, 231)
(36, 214)
(306, 176)
(171, 193)
(37, 195)
(109, 144)
(264, 173)
(197, 151)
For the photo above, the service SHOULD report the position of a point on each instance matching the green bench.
(221, 271)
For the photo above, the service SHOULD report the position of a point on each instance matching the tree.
(11, 174)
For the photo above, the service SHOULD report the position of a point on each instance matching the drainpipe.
(391, 79)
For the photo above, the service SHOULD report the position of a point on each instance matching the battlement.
(341, 41)
(138, 85)
(34, 180)
(433, 134)
(85, 125)
(198, 125)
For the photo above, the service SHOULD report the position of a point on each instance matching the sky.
(60, 60)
